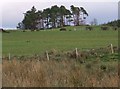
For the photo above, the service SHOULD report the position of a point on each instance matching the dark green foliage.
(30, 19)
(89, 28)
(115, 23)
(63, 29)
(53, 17)
(76, 11)
(104, 28)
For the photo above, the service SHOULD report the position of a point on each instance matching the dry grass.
(64, 73)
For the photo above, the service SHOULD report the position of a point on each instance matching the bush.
(115, 28)
(63, 29)
(104, 28)
(89, 28)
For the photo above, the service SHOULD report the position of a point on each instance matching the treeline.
(115, 23)
(53, 17)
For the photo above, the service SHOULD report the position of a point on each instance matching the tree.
(30, 19)
(40, 22)
(69, 17)
(77, 16)
(53, 17)
(115, 23)
(76, 12)
(84, 14)
(46, 16)
(54, 13)
(20, 25)
(62, 12)
(73, 9)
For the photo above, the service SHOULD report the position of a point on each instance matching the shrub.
(63, 29)
(89, 28)
(104, 28)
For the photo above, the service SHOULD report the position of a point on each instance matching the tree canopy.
(53, 17)
(113, 23)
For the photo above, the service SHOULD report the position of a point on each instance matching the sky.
(12, 10)
(119, 10)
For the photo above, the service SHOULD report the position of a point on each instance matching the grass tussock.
(64, 73)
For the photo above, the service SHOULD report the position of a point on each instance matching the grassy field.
(28, 43)
(93, 68)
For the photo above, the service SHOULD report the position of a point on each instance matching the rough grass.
(98, 69)
(28, 43)
(65, 73)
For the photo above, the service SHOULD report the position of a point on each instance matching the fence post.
(112, 49)
(47, 55)
(76, 52)
(9, 56)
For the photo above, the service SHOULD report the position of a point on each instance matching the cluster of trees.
(53, 17)
(115, 23)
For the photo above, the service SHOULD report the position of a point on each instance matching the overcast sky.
(12, 10)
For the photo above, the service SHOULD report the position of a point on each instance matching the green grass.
(16, 43)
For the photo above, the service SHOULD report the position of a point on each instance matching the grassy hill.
(28, 43)
(113, 23)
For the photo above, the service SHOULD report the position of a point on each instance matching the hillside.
(113, 23)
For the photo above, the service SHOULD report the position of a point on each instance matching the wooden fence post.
(9, 56)
(47, 56)
(112, 49)
(76, 52)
